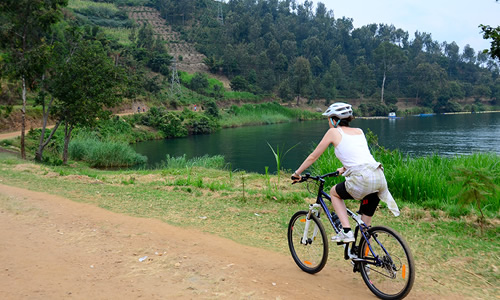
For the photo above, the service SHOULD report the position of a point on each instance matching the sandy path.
(10, 135)
(54, 248)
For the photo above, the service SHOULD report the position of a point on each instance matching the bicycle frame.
(348, 248)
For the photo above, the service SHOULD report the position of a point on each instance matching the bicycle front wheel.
(309, 250)
(393, 274)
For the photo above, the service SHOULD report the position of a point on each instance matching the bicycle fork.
(313, 209)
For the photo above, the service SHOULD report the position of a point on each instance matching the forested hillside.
(274, 49)
(291, 48)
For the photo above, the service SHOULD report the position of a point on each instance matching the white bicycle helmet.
(339, 109)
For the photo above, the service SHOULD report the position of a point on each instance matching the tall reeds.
(206, 161)
(426, 181)
(104, 153)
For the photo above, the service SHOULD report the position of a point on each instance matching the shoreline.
(6, 135)
(431, 114)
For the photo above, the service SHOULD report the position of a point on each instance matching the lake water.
(246, 148)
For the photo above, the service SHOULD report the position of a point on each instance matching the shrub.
(199, 82)
(238, 83)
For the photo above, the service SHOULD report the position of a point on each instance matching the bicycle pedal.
(343, 243)
(355, 267)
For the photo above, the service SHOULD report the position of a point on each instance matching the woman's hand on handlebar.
(296, 178)
(341, 170)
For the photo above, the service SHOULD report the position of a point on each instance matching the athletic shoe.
(342, 237)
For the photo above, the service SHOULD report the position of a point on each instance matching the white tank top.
(353, 150)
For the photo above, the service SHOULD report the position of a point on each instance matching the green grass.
(206, 161)
(119, 34)
(104, 153)
(264, 113)
(231, 204)
(426, 181)
(227, 95)
(246, 96)
(81, 4)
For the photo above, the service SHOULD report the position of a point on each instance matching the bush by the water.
(104, 154)
(174, 124)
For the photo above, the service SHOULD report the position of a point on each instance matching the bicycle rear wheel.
(393, 276)
(310, 254)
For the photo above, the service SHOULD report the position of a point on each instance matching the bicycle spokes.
(386, 264)
(307, 242)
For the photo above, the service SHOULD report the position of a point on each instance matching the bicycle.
(381, 255)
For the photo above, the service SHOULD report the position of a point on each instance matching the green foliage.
(211, 109)
(492, 33)
(239, 83)
(104, 153)
(375, 109)
(203, 84)
(5, 111)
(213, 64)
(264, 113)
(426, 181)
(199, 82)
(173, 124)
(200, 124)
(168, 122)
(206, 161)
(279, 156)
(269, 41)
(478, 184)
(100, 14)
(246, 96)
(86, 84)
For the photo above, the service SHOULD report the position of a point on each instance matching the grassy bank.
(265, 113)
(254, 210)
(431, 182)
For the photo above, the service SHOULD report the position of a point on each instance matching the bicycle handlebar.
(308, 176)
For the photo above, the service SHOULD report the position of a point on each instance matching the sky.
(445, 20)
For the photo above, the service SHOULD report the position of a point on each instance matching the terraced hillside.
(192, 60)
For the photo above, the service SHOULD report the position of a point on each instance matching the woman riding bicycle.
(365, 178)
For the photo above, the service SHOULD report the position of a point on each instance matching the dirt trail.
(54, 248)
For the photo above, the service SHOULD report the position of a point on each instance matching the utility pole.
(175, 84)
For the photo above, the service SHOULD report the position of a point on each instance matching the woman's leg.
(340, 208)
(367, 220)
(368, 206)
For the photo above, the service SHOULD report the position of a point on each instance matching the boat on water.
(392, 115)
(426, 115)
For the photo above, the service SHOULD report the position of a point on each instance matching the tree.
(213, 64)
(25, 24)
(427, 80)
(494, 34)
(478, 184)
(389, 56)
(238, 83)
(301, 76)
(199, 82)
(364, 79)
(88, 84)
